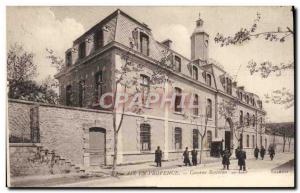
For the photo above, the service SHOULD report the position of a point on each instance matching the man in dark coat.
(194, 156)
(225, 159)
(262, 152)
(186, 157)
(256, 151)
(242, 160)
(272, 152)
(158, 156)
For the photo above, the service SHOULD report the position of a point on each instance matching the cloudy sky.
(38, 28)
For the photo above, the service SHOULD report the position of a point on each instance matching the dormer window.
(208, 79)
(69, 58)
(241, 96)
(195, 73)
(98, 39)
(247, 99)
(177, 64)
(228, 87)
(81, 51)
(144, 44)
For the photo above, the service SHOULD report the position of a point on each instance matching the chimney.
(241, 87)
(234, 84)
(167, 43)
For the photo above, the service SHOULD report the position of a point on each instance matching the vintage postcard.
(150, 96)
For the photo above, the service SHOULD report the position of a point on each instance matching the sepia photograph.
(150, 96)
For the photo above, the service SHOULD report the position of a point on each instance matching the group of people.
(262, 152)
(240, 155)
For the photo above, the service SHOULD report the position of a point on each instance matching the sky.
(38, 28)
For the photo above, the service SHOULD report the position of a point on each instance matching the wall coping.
(25, 145)
(56, 106)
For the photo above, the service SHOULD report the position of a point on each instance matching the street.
(206, 175)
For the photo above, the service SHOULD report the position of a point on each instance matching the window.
(98, 86)
(178, 107)
(69, 95)
(195, 104)
(253, 141)
(81, 50)
(144, 44)
(241, 118)
(209, 108)
(248, 119)
(69, 58)
(261, 122)
(195, 73)
(248, 141)
(145, 137)
(81, 92)
(98, 39)
(241, 96)
(261, 141)
(241, 140)
(266, 143)
(145, 87)
(177, 64)
(253, 120)
(209, 138)
(247, 99)
(178, 138)
(195, 138)
(229, 86)
(208, 79)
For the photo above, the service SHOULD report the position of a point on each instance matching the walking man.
(186, 157)
(242, 160)
(225, 159)
(256, 151)
(272, 152)
(158, 156)
(262, 152)
(194, 156)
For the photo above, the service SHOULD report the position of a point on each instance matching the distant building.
(89, 72)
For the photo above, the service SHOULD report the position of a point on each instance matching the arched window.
(248, 141)
(195, 138)
(178, 107)
(253, 121)
(69, 95)
(209, 108)
(248, 119)
(178, 138)
(69, 58)
(253, 141)
(209, 138)
(145, 137)
(241, 118)
(266, 143)
(81, 50)
(208, 79)
(195, 73)
(145, 88)
(196, 105)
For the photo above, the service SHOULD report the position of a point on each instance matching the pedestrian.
(225, 159)
(186, 157)
(194, 156)
(256, 151)
(242, 160)
(158, 156)
(262, 152)
(237, 150)
(272, 152)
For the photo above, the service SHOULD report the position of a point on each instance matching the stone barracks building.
(83, 133)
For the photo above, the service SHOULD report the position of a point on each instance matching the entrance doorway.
(227, 139)
(97, 146)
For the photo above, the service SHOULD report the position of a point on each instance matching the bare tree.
(265, 68)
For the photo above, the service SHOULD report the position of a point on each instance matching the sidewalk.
(52, 180)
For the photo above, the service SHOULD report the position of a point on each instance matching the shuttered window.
(145, 137)
(178, 138)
